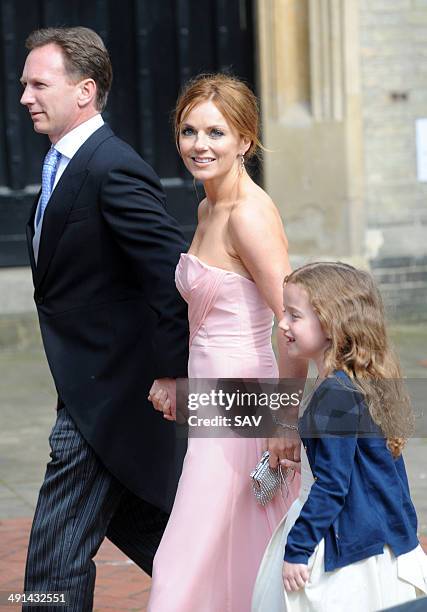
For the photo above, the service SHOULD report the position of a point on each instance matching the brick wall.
(403, 282)
(394, 82)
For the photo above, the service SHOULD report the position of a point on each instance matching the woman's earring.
(242, 163)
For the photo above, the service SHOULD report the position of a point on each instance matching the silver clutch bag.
(266, 481)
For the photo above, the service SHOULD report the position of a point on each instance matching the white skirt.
(372, 584)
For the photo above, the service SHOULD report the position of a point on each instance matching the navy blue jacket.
(360, 498)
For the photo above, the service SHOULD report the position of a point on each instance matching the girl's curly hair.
(351, 312)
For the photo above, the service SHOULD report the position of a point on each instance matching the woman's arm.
(259, 239)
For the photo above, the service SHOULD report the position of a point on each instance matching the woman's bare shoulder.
(254, 218)
(254, 205)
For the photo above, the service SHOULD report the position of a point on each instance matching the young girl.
(350, 541)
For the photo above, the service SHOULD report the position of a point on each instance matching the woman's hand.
(163, 397)
(295, 575)
(287, 445)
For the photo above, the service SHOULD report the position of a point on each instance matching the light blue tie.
(50, 166)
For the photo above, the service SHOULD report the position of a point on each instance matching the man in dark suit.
(103, 251)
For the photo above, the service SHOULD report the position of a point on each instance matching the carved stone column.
(311, 110)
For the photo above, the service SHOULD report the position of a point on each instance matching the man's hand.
(295, 575)
(287, 445)
(163, 397)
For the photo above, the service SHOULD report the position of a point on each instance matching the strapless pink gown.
(215, 539)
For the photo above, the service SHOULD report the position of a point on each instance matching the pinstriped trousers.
(79, 504)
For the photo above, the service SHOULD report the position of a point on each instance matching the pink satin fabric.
(216, 536)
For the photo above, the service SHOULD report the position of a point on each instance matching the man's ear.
(87, 92)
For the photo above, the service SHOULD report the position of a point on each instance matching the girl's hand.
(294, 465)
(295, 575)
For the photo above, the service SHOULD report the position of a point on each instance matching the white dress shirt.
(68, 146)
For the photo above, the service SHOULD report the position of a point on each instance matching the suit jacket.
(111, 318)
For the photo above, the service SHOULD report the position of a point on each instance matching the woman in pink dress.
(217, 533)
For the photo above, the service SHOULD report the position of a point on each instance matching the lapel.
(30, 234)
(60, 203)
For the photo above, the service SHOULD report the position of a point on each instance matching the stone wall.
(393, 47)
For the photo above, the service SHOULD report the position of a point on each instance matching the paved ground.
(120, 585)
(26, 416)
